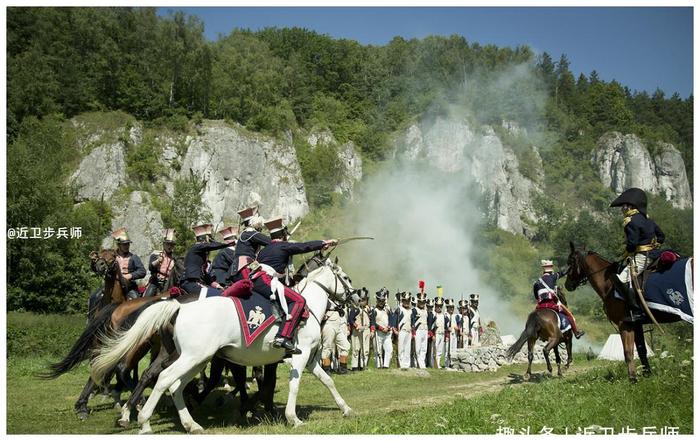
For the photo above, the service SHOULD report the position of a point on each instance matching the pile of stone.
(490, 358)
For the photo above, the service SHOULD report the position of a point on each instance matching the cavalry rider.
(359, 323)
(196, 274)
(221, 265)
(474, 320)
(380, 320)
(274, 260)
(161, 264)
(248, 245)
(643, 236)
(419, 328)
(130, 264)
(545, 293)
(403, 328)
(441, 325)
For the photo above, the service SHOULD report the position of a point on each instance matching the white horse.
(211, 326)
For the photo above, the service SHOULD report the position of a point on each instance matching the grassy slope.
(592, 393)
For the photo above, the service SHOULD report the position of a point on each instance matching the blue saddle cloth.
(671, 291)
(564, 324)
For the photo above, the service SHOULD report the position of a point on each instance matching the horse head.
(103, 262)
(331, 277)
(576, 274)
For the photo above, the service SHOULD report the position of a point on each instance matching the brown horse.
(543, 324)
(587, 266)
(110, 313)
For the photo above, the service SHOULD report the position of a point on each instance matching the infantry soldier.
(221, 266)
(196, 275)
(131, 267)
(454, 327)
(334, 335)
(161, 264)
(430, 357)
(441, 325)
(248, 244)
(380, 328)
(403, 325)
(474, 320)
(419, 329)
(359, 322)
(544, 290)
(268, 280)
(463, 338)
(643, 237)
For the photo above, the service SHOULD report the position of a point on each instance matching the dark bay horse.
(588, 266)
(109, 314)
(543, 324)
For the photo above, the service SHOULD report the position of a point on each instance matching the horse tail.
(532, 327)
(115, 348)
(81, 348)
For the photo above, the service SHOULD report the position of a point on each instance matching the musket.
(361, 335)
(379, 356)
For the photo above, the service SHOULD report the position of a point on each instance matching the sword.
(294, 229)
(348, 239)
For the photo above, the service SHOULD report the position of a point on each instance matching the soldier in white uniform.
(358, 322)
(419, 326)
(454, 327)
(403, 326)
(334, 334)
(381, 320)
(474, 320)
(464, 324)
(439, 328)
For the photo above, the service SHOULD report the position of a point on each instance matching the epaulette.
(626, 220)
(156, 252)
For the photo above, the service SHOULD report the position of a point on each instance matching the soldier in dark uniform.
(131, 267)
(273, 260)
(221, 265)
(430, 357)
(196, 274)
(545, 293)
(161, 264)
(643, 238)
(248, 245)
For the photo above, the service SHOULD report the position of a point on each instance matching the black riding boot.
(633, 312)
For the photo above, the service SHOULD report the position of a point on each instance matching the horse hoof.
(145, 431)
(196, 429)
(123, 423)
(633, 380)
(83, 415)
(117, 406)
(526, 377)
(646, 373)
(348, 413)
(298, 423)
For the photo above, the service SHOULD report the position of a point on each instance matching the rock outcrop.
(347, 153)
(452, 145)
(100, 173)
(143, 223)
(624, 161)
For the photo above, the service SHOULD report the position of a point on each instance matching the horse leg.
(569, 356)
(548, 347)
(148, 378)
(627, 336)
(327, 381)
(81, 405)
(269, 383)
(215, 372)
(641, 346)
(299, 361)
(530, 346)
(239, 376)
(558, 359)
(176, 390)
(166, 379)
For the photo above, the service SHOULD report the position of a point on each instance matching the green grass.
(394, 401)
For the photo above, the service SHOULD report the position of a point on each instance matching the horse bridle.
(580, 262)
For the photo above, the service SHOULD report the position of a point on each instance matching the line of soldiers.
(425, 332)
(261, 262)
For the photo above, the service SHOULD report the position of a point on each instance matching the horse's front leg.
(627, 336)
(558, 359)
(641, 346)
(299, 361)
(315, 367)
(548, 347)
(530, 356)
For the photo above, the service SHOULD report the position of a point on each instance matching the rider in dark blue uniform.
(249, 244)
(221, 265)
(276, 256)
(196, 274)
(643, 238)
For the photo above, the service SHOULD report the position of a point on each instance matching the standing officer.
(474, 320)
(403, 326)
(380, 320)
(359, 323)
(419, 328)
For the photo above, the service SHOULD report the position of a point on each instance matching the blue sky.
(642, 48)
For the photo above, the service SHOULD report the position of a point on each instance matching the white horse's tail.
(114, 348)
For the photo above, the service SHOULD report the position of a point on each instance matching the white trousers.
(640, 262)
(453, 343)
(421, 346)
(383, 342)
(404, 349)
(439, 348)
(475, 336)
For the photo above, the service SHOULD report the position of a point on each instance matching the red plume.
(421, 284)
